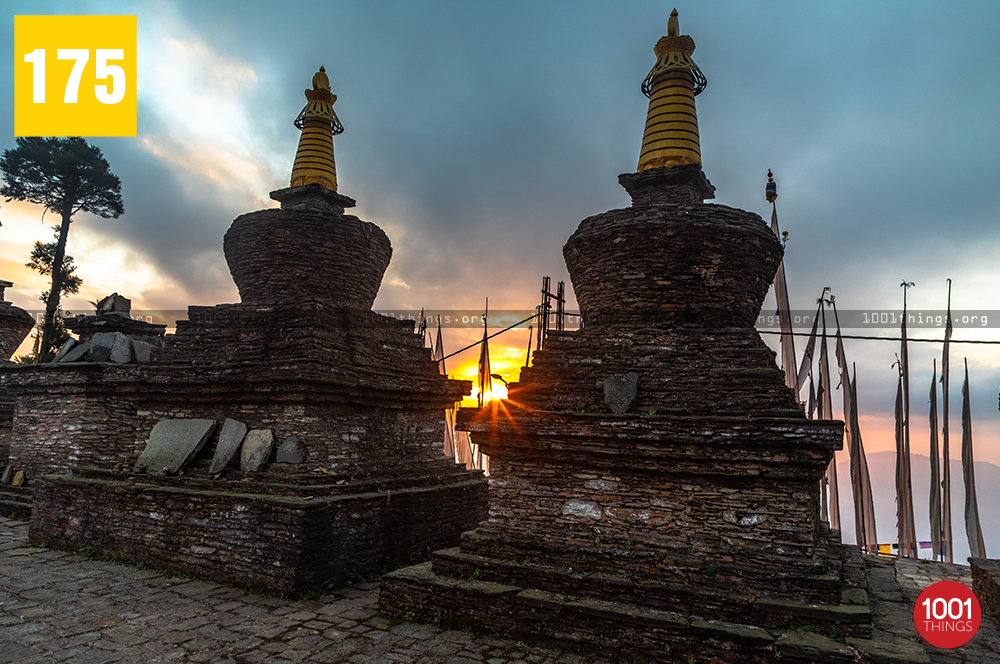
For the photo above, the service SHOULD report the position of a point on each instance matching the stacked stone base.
(616, 617)
(358, 391)
(283, 538)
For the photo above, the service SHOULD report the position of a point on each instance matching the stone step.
(15, 502)
(713, 596)
(616, 629)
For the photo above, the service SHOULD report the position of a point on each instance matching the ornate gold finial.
(671, 134)
(319, 124)
(320, 80)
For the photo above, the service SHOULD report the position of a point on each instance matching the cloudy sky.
(478, 135)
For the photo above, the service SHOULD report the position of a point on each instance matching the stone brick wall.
(681, 371)
(661, 496)
(349, 442)
(986, 584)
(6, 422)
(708, 266)
(357, 389)
(304, 351)
(286, 255)
(66, 416)
(244, 534)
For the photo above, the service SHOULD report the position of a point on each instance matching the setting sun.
(504, 361)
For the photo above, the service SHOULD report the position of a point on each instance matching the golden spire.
(319, 124)
(671, 135)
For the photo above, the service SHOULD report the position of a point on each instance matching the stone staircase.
(15, 501)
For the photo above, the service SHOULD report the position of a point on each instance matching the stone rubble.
(256, 450)
(291, 451)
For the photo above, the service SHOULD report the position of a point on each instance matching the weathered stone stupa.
(15, 323)
(359, 483)
(655, 485)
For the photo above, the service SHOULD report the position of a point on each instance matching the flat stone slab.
(64, 351)
(172, 444)
(816, 648)
(111, 347)
(291, 451)
(76, 353)
(834, 613)
(256, 451)
(142, 350)
(620, 391)
(230, 438)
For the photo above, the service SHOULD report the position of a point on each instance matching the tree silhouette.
(43, 255)
(66, 176)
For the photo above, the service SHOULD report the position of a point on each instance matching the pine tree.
(66, 176)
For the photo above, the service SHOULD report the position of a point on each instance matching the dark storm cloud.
(464, 118)
(489, 131)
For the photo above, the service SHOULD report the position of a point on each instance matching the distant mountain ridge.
(882, 468)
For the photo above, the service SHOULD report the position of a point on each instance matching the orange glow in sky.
(504, 360)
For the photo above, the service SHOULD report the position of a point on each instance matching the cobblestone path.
(913, 576)
(61, 607)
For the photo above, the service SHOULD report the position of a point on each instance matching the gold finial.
(671, 135)
(319, 124)
(320, 80)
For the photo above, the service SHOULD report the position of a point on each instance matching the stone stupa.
(355, 481)
(655, 486)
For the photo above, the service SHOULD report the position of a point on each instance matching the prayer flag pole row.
(458, 444)
(940, 494)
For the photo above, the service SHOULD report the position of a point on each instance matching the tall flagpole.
(972, 527)
(859, 464)
(947, 543)
(909, 533)
(845, 385)
(437, 354)
(826, 413)
(900, 474)
(935, 488)
(485, 379)
(805, 368)
(781, 295)
(527, 356)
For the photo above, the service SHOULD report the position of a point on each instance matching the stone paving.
(913, 576)
(62, 607)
